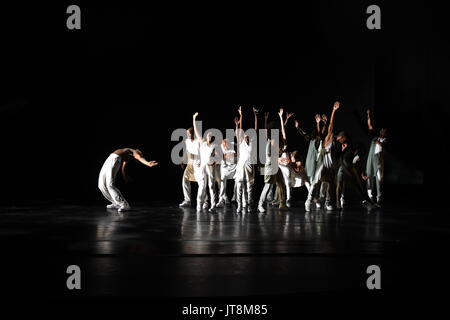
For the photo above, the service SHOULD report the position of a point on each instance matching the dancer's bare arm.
(240, 132)
(137, 154)
(300, 130)
(329, 136)
(197, 133)
(369, 120)
(255, 113)
(289, 114)
(283, 132)
(324, 120)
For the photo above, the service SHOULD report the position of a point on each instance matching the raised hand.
(236, 121)
(240, 110)
(369, 112)
(297, 124)
(336, 105)
(255, 111)
(317, 117)
(266, 115)
(324, 118)
(195, 115)
(280, 113)
(290, 114)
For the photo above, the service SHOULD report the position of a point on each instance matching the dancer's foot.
(308, 205)
(112, 206)
(261, 208)
(124, 207)
(185, 204)
(220, 204)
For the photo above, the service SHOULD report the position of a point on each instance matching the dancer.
(227, 167)
(118, 160)
(284, 162)
(192, 154)
(271, 173)
(314, 139)
(375, 161)
(347, 171)
(204, 171)
(245, 171)
(298, 176)
(325, 168)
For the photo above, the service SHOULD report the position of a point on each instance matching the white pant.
(107, 178)
(207, 180)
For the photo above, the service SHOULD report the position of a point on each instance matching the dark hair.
(296, 155)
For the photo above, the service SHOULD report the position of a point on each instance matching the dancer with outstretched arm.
(118, 161)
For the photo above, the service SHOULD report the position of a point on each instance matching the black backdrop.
(133, 74)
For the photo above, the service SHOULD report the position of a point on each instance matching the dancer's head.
(296, 157)
(190, 133)
(383, 133)
(210, 138)
(342, 137)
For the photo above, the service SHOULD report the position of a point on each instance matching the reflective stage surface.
(171, 252)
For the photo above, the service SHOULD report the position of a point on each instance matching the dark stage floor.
(169, 252)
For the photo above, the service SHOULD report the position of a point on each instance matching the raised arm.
(283, 132)
(197, 133)
(317, 119)
(255, 112)
(324, 120)
(137, 154)
(302, 133)
(239, 132)
(236, 126)
(329, 136)
(290, 114)
(266, 118)
(369, 120)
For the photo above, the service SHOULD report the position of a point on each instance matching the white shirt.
(229, 153)
(378, 146)
(206, 153)
(193, 146)
(245, 152)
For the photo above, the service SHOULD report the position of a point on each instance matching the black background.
(133, 74)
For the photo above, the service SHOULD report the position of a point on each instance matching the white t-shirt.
(192, 146)
(229, 153)
(206, 153)
(378, 146)
(245, 152)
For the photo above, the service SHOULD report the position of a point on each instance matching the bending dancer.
(205, 169)
(227, 167)
(271, 173)
(245, 171)
(325, 168)
(192, 150)
(375, 161)
(116, 161)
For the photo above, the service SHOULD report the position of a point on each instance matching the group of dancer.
(333, 163)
